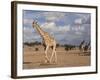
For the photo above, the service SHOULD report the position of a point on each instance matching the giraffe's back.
(48, 40)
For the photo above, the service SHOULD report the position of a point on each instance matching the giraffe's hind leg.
(46, 57)
(53, 52)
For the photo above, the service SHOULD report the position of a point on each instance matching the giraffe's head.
(34, 24)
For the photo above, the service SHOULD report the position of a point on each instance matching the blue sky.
(65, 27)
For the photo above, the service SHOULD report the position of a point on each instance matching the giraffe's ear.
(33, 22)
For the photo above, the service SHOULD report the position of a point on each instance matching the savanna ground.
(34, 58)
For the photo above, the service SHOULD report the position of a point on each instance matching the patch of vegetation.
(69, 47)
(32, 43)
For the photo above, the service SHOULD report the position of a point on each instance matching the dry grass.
(72, 58)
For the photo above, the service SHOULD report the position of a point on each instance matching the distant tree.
(66, 48)
(32, 43)
(69, 47)
(27, 43)
(58, 45)
(37, 43)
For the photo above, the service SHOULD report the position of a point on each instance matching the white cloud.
(53, 16)
(28, 21)
(78, 28)
(78, 21)
(84, 17)
(64, 28)
(78, 33)
(51, 27)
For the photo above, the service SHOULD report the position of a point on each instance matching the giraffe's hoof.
(55, 62)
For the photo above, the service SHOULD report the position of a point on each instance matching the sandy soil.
(72, 58)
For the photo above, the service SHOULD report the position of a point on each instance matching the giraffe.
(81, 46)
(86, 48)
(48, 41)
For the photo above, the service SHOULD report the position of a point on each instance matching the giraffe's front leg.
(52, 53)
(46, 57)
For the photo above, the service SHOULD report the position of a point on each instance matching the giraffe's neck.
(39, 30)
(88, 44)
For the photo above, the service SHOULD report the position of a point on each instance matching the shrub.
(36, 49)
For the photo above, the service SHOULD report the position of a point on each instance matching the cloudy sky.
(65, 27)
